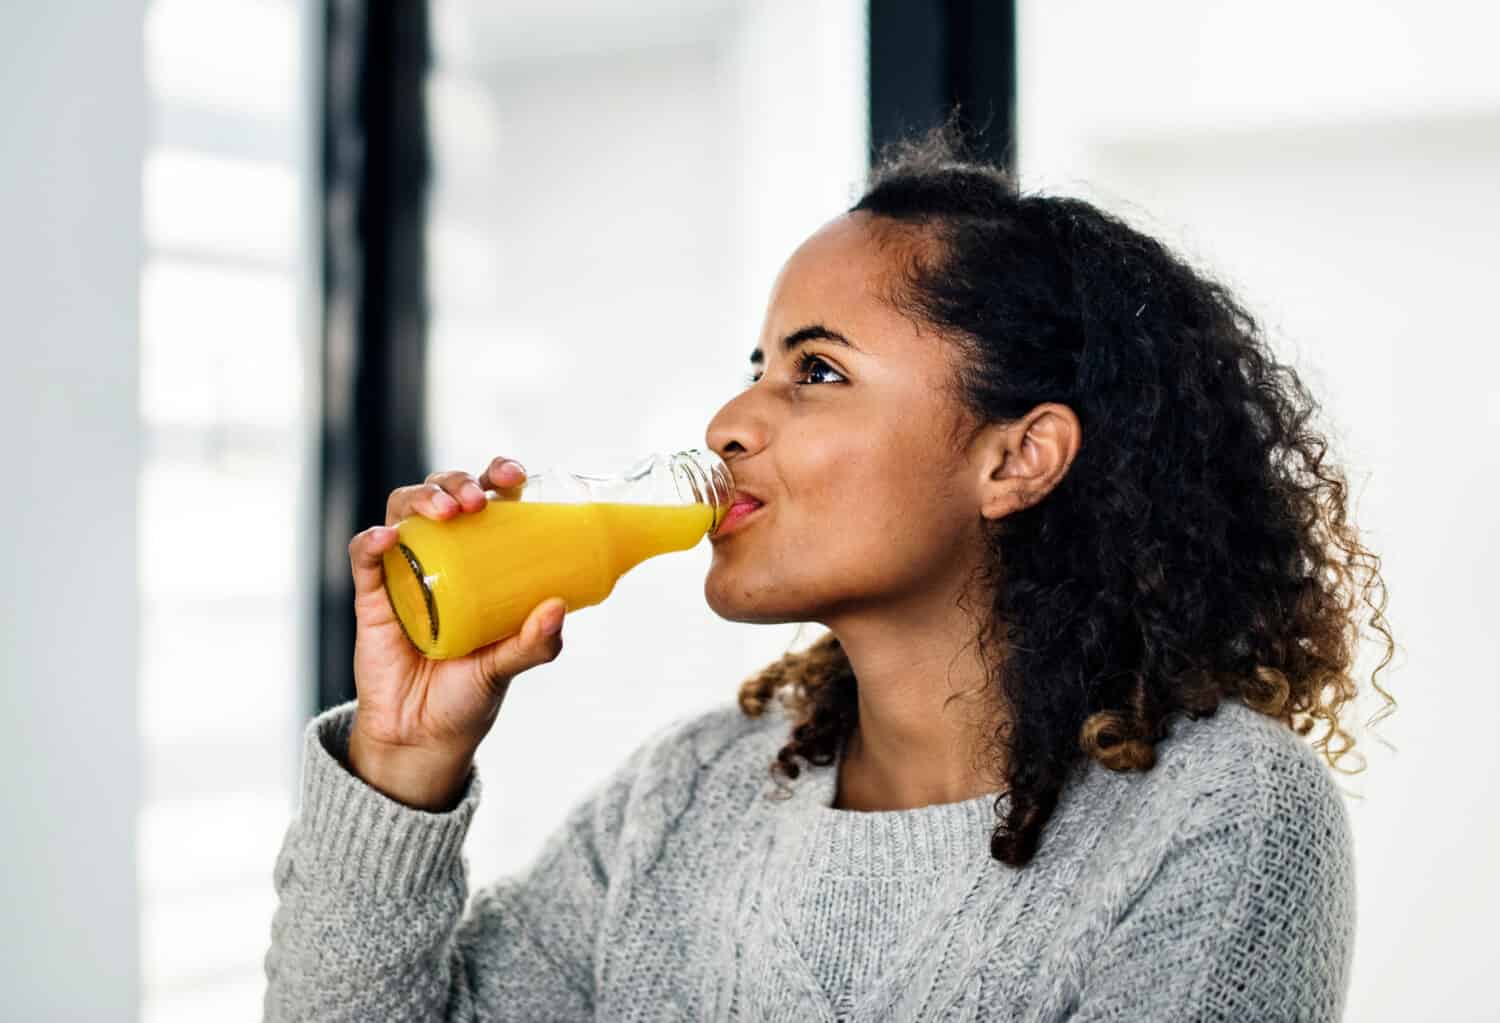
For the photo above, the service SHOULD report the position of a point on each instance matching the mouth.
(741, 510)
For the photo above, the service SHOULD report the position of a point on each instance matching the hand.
(419, 720)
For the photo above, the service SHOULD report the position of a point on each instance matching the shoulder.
(1245, 785)
(1224, 875)
(701, 748)
(691, 773)
(702, 739)
(1244, 764)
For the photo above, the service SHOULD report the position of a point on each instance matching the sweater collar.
(939, 838)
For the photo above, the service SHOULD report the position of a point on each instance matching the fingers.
(445, 494)
(442, 495)
(502, 474)
(365, 552)
(499, 662)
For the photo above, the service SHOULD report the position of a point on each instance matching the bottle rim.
(710, 479)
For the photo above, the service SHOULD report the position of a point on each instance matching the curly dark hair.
(1196, 549)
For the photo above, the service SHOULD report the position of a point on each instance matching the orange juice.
(460, 583)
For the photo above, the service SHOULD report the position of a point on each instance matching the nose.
(736, 430)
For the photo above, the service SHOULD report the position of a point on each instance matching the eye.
(806, 361)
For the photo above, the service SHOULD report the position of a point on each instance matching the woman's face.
(866, 504)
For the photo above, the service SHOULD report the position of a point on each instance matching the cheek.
(874, 507)
(866, 513)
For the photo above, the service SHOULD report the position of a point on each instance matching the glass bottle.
(460, 583)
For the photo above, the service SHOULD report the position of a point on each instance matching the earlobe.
(1009, 497)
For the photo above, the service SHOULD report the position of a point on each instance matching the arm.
(1249, 916)
(371, 920)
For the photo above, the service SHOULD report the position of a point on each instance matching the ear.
(1019, 463)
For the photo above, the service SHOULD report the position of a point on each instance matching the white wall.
(73, 125)
(1338, 164)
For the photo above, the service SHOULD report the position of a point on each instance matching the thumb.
(531, 646)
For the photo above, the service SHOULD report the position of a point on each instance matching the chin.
(736, 606)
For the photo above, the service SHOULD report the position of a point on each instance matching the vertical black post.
(927, 58)
(375, 173)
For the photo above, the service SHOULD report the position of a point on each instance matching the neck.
(925, 710)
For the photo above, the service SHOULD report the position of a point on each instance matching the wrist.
(421, 778)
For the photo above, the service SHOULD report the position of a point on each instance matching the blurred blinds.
(224, 400)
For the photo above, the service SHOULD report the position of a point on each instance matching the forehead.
(841, 266)
(845, 276)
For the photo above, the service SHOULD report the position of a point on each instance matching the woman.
(1088, 583)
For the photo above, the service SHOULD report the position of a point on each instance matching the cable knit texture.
(1217, 886)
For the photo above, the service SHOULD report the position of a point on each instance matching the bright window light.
(220, 206)
(237, 56)
(219, 344)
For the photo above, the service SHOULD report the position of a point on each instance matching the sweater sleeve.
(1251, 913)
(371, 919)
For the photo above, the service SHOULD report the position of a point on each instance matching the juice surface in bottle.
(461, 583)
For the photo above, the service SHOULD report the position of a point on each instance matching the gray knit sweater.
(1217, 886)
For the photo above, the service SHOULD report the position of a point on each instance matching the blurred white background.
(615, 189)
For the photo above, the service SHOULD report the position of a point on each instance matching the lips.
(744, 506)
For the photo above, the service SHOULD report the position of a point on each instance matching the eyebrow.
(814, 332)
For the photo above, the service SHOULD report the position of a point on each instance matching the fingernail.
(553, 625)
(516, 466)
(444, 501)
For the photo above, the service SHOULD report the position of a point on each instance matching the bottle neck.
(705, 478)
(638, 532)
